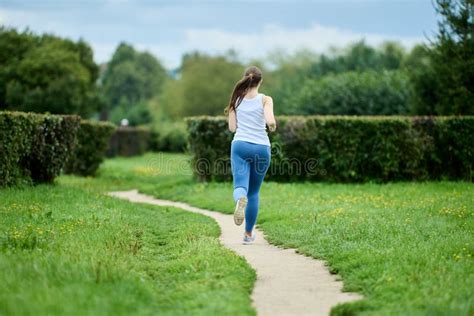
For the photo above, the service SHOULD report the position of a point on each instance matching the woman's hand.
(268, 113)
(272, 127)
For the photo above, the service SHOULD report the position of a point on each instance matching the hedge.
(128, 141)
(34, 147)
(346, 148)
(169, 137)
(92, 143)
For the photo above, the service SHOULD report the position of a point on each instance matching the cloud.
(152, 30)
(316, 37)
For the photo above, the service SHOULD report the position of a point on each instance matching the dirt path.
(287, 283)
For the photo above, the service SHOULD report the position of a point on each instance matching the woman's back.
(251, 121)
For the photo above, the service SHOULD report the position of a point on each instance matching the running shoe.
(249, 239)
(239, 213)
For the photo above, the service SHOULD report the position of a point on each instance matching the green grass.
(66, 250)
(407, 247)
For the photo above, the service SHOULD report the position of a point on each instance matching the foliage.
(128, 141)
(453, 57)
(354, 93)
(204, 85)
(53, 142)
(168, 136)
(137, 114)
(359, 57)
(446, 85)
(16, 129)
(286, 80)
(131, 77)
(346, 148)
(35, 146)
(346, 81)
(92, 143)
(46, 74)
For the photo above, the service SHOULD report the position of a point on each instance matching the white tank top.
(251, 121)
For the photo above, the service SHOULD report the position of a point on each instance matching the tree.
(391, 55)
(130, 80)
(204, 85)
(355, 93)
(359, 57)
(131, 76)
(286, 80)
(46, 74)
(451, 62)
(425, 85)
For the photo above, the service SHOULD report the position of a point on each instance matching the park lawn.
(65, 250)
(407, 247)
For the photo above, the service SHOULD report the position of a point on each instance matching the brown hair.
(252, 77)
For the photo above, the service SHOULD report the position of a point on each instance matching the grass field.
(408, 247)
(65, 250)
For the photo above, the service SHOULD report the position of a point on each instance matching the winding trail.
(287, 283)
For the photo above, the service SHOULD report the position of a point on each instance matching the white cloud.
(2, 17)
(249, 44)
(316, 37)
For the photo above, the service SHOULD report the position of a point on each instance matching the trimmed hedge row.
(346, 148)
(169, 137)
(92, 143)
(129, 141)
(34, 147)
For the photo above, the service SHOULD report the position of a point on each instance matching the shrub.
(346, 148)
(35, 147)
(355, 93)
(128, 141)
(52, 144)
(16, 129)
(209, 143)
(92, 142)
(169, 136)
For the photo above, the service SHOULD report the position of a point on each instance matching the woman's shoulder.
(265, 98)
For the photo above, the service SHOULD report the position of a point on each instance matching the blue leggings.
(249, 164)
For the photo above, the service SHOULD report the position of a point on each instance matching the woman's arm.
(232, 121)
(268, 113)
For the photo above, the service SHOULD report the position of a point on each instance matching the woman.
(249, 112)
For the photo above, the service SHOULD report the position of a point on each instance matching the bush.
(34, 147)
(355, 93)
(346, 148)
(53, 143)
(128, 141)
(169, 136)
(92, 142)
(136, 114)
(16, 129)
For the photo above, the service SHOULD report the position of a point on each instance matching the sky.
(168, 28)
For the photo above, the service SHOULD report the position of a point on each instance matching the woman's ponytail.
(251, 78)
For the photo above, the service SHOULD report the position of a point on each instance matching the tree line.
(46, 73)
